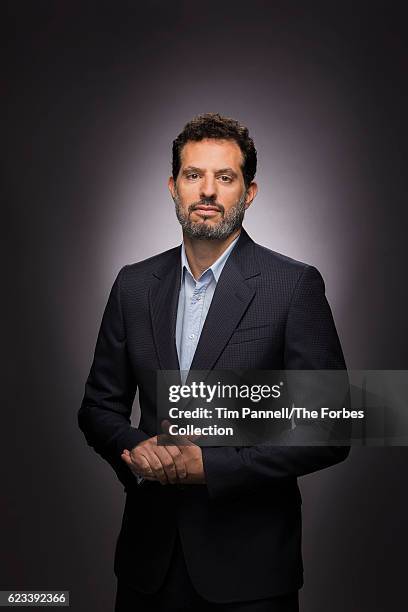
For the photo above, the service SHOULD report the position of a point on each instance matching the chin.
(206, 221)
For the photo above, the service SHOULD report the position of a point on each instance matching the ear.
(251, 193)
(172, 186)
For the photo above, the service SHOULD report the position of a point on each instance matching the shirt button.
(191, 336)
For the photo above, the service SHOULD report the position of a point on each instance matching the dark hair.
(214, 125)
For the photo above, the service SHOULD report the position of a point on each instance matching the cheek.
(187, 193)
(229, 198)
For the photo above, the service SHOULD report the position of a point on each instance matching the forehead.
(211, 154)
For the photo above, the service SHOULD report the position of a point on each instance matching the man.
(212, 528)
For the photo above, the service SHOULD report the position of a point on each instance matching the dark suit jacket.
(241, 531)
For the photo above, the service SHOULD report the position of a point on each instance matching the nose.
(208, 189)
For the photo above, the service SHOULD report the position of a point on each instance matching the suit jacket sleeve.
(104, 415)
(311, 343)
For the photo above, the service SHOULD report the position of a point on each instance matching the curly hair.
(214, 125)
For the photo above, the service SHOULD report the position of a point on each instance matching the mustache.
(206, 202)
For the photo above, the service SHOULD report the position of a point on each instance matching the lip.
(208, 210)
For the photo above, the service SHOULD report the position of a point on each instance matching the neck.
(201, 254)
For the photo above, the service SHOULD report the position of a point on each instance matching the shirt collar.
(216, 267)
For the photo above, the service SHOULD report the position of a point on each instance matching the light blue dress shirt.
(194, 302)
(193, 305)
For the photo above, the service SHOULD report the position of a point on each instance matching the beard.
(201, 230)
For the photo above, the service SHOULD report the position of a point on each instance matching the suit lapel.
(163, 301)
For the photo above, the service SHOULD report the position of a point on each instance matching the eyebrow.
(221, 171)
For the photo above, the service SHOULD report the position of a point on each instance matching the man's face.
(210, 195)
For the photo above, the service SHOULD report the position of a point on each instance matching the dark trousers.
(177, 594)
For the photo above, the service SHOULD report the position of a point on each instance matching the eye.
(225, 178)
(192, 176)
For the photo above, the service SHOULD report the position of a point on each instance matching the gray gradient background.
(95, 93)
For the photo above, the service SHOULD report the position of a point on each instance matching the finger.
(190, 453)
(144, 457)
(126, 459)
(179, 462)
(160, 460)
(129, 463)
(146, 470)
(140, 462)
(155, 464)
(168, 463)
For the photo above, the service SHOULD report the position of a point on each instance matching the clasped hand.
(170, 464)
